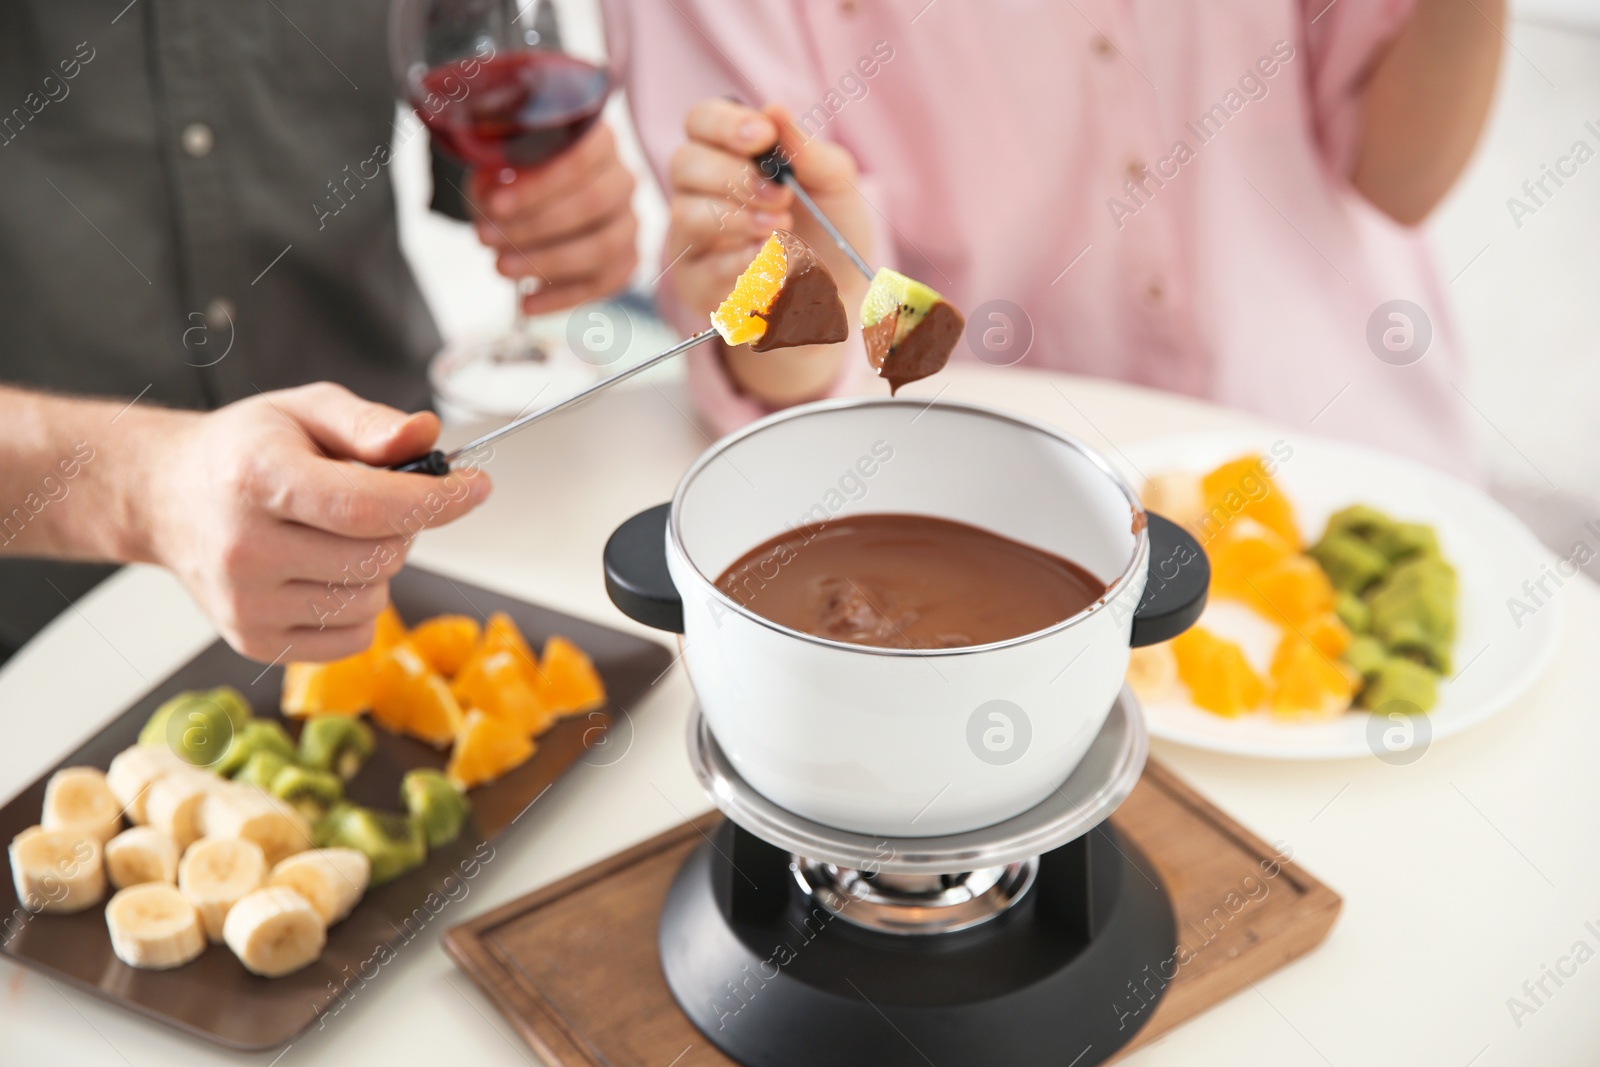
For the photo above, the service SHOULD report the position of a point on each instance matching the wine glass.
(507, 85)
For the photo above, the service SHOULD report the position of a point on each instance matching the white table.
(1463, 874)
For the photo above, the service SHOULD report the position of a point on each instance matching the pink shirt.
(1160, 187)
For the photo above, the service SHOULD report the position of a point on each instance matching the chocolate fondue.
(908, 581)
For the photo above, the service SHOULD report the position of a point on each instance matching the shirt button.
(1102, 46)
(219, 314)
(197, 140)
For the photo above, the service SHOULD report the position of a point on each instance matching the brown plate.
(215, 997)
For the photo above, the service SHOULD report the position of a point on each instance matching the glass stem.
(522, 323)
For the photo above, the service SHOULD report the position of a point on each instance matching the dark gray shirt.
(195, 203)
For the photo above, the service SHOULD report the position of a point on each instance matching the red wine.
(513, 110)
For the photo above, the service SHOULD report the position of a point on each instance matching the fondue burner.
(788, 942)
(888, 887)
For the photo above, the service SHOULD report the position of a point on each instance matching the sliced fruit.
(336, 743)
(260, 769)
(1307, 682)
(309, 792)
(435, 803)
(1153, 672)
(140, 854)
(332, 880)
(569, 682)
(1176, 495)
(1291, 592)
(1243, 488)
(393, 843)
(1240, 551)
(1353, 612)
(343, 687)
(486, 748)
(447, 641)
(1218, 676)
(247, 812)
(154, 927)
(739, 318)
(1414, 610)
(216, 873)
(275, 931)
(498, 685)
(415, 699)
(134, 770)
(908, 329)
(1365, 654)
(174, 804)
(500, 634)
(78, 798)
(258, 735)
(388, 630)
(1330, 636)
(1352, 565)
(57, 871)
(1398, 684)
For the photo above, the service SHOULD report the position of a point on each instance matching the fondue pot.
(893, 741)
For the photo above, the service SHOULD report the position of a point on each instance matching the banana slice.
(256, 815)
(59, 871)
(1153, 673)
(173, 804)
(331, 879)
(141, 854)
(216, 873)
(152, 926)
(134, 770)
(77, 798)
(275, 931)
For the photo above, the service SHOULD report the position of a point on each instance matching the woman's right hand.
(723, 209)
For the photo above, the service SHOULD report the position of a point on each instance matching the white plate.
(1497, 658)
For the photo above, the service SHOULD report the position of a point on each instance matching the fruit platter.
(242, 851)
(1356, 598)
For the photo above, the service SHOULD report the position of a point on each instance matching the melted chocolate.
(925, 350)
(807, 309)
(908, 581)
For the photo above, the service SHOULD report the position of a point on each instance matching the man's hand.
(723, 209)
(568, 223)
(286, 545)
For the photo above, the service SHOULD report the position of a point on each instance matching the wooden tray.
(573, 966)
(214, 997)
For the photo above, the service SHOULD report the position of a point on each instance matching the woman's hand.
(286, 545)
(568, 223)
(723, 209)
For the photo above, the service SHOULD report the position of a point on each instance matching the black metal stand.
(1066, 976)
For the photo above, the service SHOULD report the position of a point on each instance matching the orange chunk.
(500, 634)
(1218, 676)
(496, 684)
(1328, 634)
(486, 748)
(1292, 592)
(343, 687)
(1308, 683)
(389, 630)
(413, 698)
(570, 683)
(739, 318)
(1243, 488)
(446, 641)
(1241, 550)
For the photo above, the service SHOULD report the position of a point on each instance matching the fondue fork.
(774, 167)
(438, 462)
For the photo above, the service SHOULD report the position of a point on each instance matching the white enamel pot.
(904, 742)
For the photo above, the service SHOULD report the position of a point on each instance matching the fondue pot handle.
(1175, 592)
(637, 578)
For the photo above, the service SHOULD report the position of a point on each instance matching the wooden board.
(573, 966)
(214, 997)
